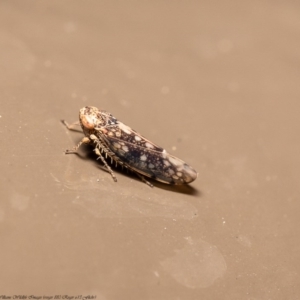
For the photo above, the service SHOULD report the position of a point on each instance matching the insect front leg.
(85, 140)
(71, 126)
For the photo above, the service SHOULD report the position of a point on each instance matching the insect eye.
(87, 122)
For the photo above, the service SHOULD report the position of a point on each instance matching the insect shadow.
(87, 152)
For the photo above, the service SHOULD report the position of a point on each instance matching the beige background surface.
(214, 82)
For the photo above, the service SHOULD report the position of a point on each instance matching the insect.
(126, 147)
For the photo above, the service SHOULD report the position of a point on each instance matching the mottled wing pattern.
(144, 157)
(128, 135)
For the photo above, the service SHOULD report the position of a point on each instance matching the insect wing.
(143, 158)
(128, 135)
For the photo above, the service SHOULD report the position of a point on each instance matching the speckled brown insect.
(129, 149)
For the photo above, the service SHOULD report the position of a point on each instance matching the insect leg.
(85, 140)
(144, 180)
(105, 164)
(71, 126)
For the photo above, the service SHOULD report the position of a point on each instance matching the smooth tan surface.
(214, 82)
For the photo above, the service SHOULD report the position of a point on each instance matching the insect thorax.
(93, 120)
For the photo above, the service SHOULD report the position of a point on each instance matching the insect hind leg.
(144, 180)
(98, 153)
(101, 148)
